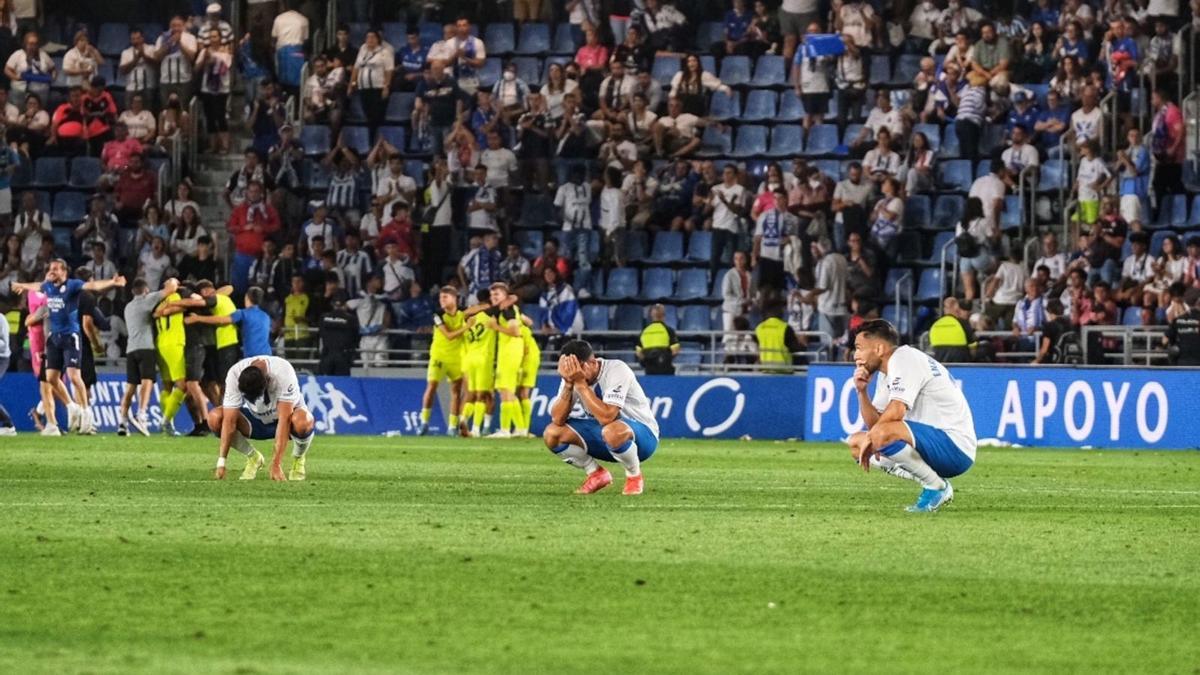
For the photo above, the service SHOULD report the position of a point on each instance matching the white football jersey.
(617, 385)
(282, 386)
(924, 385)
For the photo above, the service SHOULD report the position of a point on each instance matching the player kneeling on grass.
(919, 424)
(602, 413)
(262, 401)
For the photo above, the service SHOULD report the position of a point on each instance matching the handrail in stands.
(1128, 335)
(1026, 177)
(907, 276)
(331, 20)
(1187, 66)
(954, 272)
(1108, 108)
(1068, 211)
(194, 133)
(298, 123)
(177, 157)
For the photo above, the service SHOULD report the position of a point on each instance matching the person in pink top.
(116, 153)
(592, 58)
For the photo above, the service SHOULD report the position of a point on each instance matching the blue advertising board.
(1041, 406)
(685, 406)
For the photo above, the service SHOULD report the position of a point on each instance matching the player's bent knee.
(616, 434)
(215, 417)
(302, 423)
(552, 434)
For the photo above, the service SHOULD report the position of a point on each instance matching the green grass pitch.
(451, 556)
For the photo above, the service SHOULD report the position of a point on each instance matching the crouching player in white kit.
(919, 424)
(601, 413)
(262, 401)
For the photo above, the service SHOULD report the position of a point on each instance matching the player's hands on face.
(862, 377)
(565, 368)
(277, 472)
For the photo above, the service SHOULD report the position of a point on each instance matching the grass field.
(434, 555)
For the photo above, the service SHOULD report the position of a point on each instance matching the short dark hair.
(881, 329)
(254, 295)
(580, 349)
(1055, 307)
(83, 274)
(204, 284)
(204, 239)
(252, 382)
(139, 285)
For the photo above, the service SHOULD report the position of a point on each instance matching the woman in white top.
(173, 209)
(881, 161)
(81, 62)
(32, 128)
(462, 153)
(556, 89)
(140, 121)
(691, 84)
(1068, 81)
(153, 264)
(185, 233)
(919, 165)
(172, 118)
(887, 218)
(30, 70)
(1170, 267)
(214, 64)
(372, 77)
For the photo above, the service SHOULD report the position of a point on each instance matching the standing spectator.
(483, 204)
(774, 226)
(371, 310)
(215, 65)
(1005, 287)
(342, 54)
(810, 75)
(175, 51)
(1090, 180)
(918, 165)
(173, 118)
(135, 188)
(30, 70)
(973, 243)
(32, 226)
(439, 103)
(1087, 123)
(199, 264)
(81, 62)
(663, 24)
(828, 295)
(32, 129)
(612, 218)
(212, 23)
(562, 309)
(99, 225)
(1133, 167)
(410, 60)
(728, 204)
(514, 269)
(849, 204)
(67, 130)
(254, 72)
(1054, 328)
(480, 267)
(850, 78)
(289, 32)
(1168, 141)
(99, 114)
(1183, 336)
(658, 345)
(992, 55)
(738, 292)
(151, 226)
(1029, 316)
(252, 171)
(469, 56)
(592, 58)
(354, 264)
(153, 264)
(1052, 259)
(372, 77)
(535, 134)
(861, 279)
(971, 105)
(887, 219)
(339, 334)
(250, 224)
(737, 25)
(990, 189)
(573, 200)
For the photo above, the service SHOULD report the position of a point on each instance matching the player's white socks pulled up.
(627, 455)
(576, 457)
(907, 458)
(242, 444)
(886, 465)
(300, 445)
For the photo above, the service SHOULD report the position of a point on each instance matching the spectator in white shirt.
(175, 52)
(881, 161)
(728, 205)
(612, 218)
(883, 116)
(82, 62)
(990, 189)
(574, 202)
(30, 70)
(140, 69)
(483, 205)
(140, 121)
(1020, 155)
(1052, 258)
(1004, 289)
(500, 162)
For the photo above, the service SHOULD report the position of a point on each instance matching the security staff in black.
(951, 337)
(339, 338)
(657, 345)
(1183, 338)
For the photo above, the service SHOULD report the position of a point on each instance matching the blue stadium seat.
(708, 34)
(564, 40)
(23, 176)
(898, 316)
(983, 167)
(751, 141)
(529, 69)
(955, 175)
(85, 173)
(537, 211)
(499, 38)
(791, 109)
(357, 139)
(881, 72)
(822, 139)
(114, 37)
(756, 168)
(636, 247)
(735, 71)
(315, 139)
(394, 135)
(670, 316)
(414, 168)
(44, 202)
(400, 106)
(622, 284)
(628, 318)
(50, 172)
(358, 31)
(917, 212)
(1012, 215)
(431, 32)
(530, 242)
(62, 241)
(787, 140)
(724, 106)
(692, 285)
(718, 281)
(69, 207)
(1157, 239)
(695, 318)
(715, 142)
(929, 289)
(760, 106)
(770, 71)
(907, 68)
(395, 33)
(668, 248)
(1132, 316)
(314, 176)
(829, 167)
(1054, 175)
(949, 145)
(595, 317)
(699, 247)
(932, 132)
(355, 113)
(894, 276)
(935, 250)
(852, 131)
(1172, 212)
(535, 39)
(1194, 217)
(664, 69)
(489, 74)
(993, 138)
(690, 356)
(658, 283)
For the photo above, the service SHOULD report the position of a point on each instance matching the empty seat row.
(627, 317)
(82, 173)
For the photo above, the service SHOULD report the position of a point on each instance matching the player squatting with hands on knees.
(600, 413)
(919, 425)
(262, 401)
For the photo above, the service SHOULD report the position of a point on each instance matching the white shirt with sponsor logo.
(616, 385)
(924, 385)
(282, 387)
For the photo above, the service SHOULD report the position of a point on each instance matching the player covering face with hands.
(919, 425)
(600, 413)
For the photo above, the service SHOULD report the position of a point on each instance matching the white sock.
(886, 465)
(242, 444)
(487, 421)
(41, 408)
(911, 461)
(628, 459)
(577, 457)
(300, 445)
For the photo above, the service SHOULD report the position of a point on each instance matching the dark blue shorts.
(593, 440)
(62, 351)
(259, 430)
(938, 451)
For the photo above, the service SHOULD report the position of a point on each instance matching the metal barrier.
(331, 20)
(1013, 356)
(954, 273)
(1187, 65)
(298, 122)
(176, 158)
(1149, 352)
(193, 136)
(1108, 108)
(907, 281)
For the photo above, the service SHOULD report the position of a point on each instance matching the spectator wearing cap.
(971, 105)
(175, 51)
(289, 32)
(30, 69)
(214, 63)
(372, 77)
(213, 23)
(410, 61)
(82, 61)
(1024, 113)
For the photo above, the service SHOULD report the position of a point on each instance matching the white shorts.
(1131, 209)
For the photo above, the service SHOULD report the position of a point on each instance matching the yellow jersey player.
(445, 359)
(480, 364)
(529, 373)
(171, 342)
(510, 354)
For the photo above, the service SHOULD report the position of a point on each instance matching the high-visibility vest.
(655, 336)
(947, 332)
(225, 335)
(772, 344)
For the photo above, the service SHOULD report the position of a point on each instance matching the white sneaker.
(51, 431)
(503, 433)
(73, 417)
(8, 431)
(140, 423)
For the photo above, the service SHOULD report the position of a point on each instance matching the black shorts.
(141, 364)
(62, 351)
(194, 359)
(815, 104)
(210, 364)
(227, 358)
(87, 366)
